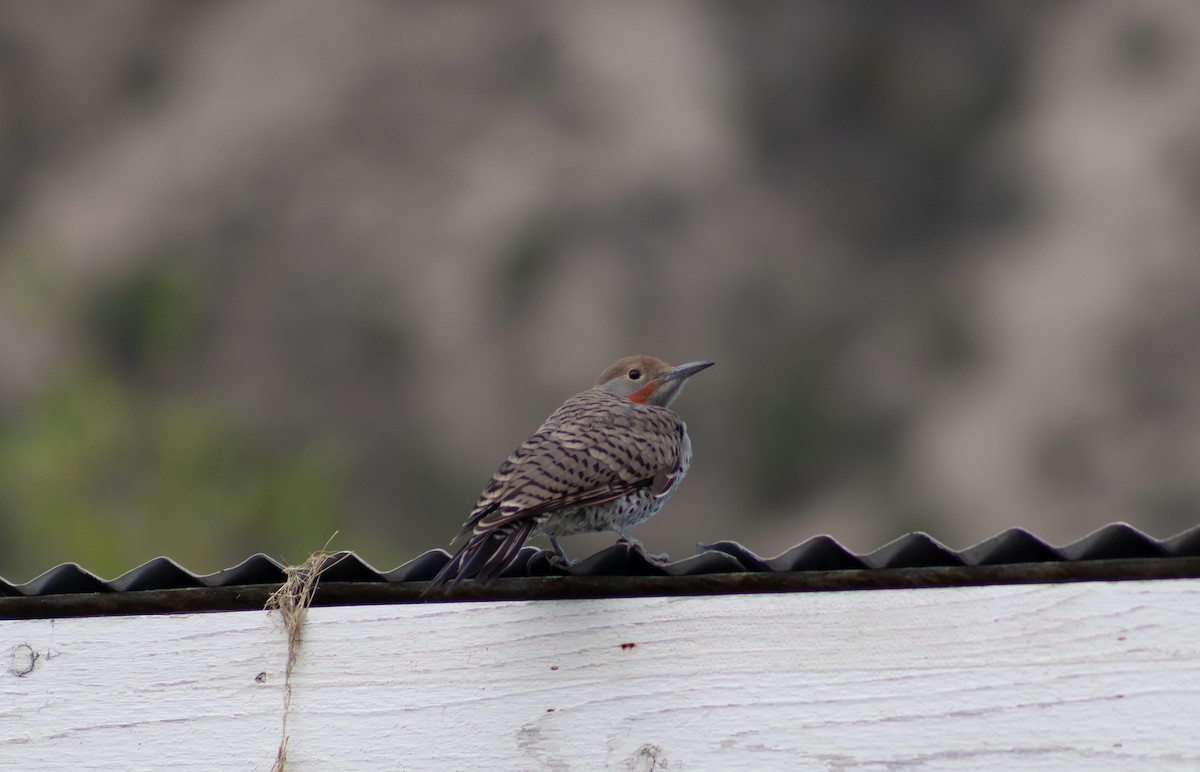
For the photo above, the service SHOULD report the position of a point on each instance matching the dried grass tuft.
(292, 601)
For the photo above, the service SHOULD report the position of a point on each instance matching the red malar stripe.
(643, 394)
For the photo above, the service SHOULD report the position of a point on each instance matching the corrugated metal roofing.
(1117, 551)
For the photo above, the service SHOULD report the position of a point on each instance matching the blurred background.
(273, 270)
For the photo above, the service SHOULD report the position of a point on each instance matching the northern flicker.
(608, 459)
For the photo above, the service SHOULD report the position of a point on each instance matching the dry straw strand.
(292, 600)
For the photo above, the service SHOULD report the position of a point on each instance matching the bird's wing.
(571, 463)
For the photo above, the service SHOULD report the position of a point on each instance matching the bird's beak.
(682, 372)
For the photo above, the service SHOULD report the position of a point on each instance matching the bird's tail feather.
(485, 555)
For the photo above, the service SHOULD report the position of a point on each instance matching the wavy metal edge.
(918, 550)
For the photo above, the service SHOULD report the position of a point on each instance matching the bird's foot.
(561, 561)
(653, 557)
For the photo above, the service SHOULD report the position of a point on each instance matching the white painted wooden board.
(1068, 676)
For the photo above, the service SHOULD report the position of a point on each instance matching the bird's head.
(647, 380)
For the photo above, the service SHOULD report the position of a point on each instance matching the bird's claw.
(653, 557)
(558, 561)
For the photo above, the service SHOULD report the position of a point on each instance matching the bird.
(607, 459)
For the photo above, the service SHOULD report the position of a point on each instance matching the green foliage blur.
(103, 471)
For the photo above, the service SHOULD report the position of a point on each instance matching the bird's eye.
(635, 374)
